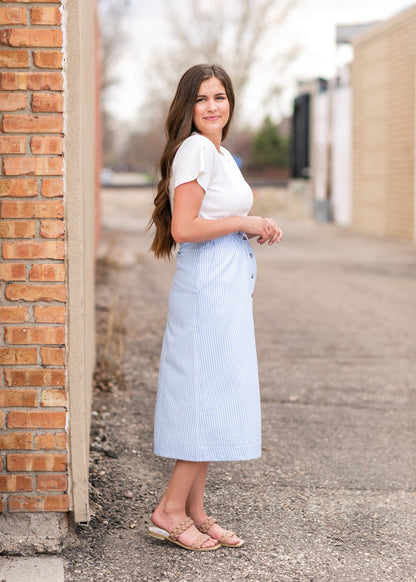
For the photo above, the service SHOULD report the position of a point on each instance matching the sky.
(312, 24)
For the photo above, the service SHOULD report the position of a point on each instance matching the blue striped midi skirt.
(208, 401)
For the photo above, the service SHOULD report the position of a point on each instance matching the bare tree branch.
(113, 41)
(242, 35)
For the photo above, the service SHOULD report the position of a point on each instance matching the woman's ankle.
(168, 509)
(198, 515)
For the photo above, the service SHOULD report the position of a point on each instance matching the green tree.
(270, 148)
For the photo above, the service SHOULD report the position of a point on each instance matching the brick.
(33, 166)
(11, 483)
(12, 15)
(52, 229)
(35, 335)
(24, 377)
(50, 441)
(52, 187)
(28, 292)
(28, 37)
(50, 15)
(32, 208)
(18, 59)
(18, 314)
(48, 59)
(31, 81)
(52, 356)
(36, 462)
(48, 144)
(36, 419)
(52, 483)
(12, 144)
(18, 397)
(18, 188)
(17, 229)
(12, 101)
(54, 397)
(12, 356)
(16, 440)
(53, 314)
(33, 250)
(12, 271)
(47, 272)
(32, 123)
(1, 426)
(47, 102)
(21, 503)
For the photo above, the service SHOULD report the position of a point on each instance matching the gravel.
(333, 496)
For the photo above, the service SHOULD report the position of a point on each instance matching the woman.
(208, 405)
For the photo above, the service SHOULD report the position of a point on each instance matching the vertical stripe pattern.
(208, 402)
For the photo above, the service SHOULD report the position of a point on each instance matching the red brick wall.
(98, 133)
(33, 460)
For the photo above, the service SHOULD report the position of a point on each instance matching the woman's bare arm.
(187, 226)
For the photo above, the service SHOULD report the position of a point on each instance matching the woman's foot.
(169, 521)
(209, 525)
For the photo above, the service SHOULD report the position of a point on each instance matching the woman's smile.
(211, 110)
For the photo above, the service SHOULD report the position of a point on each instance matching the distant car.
(106, 176)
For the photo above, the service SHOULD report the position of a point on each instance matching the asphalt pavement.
(333, 497)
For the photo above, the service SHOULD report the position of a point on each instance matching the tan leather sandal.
(162, 534)
(224, 539)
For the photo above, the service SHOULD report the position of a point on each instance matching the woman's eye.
(200, 100)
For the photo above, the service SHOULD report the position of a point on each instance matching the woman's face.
(212, 109)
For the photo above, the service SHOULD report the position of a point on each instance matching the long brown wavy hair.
(179, 125)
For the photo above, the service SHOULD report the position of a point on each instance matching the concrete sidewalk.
(32, 569)
(333, 497)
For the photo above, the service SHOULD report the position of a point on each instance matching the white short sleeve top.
(226, 191)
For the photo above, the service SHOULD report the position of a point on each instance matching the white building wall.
(341, 166)
(320, 145)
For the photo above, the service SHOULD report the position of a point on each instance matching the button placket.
(251, 260)
(252, 275)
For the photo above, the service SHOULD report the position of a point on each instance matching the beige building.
(361, 133)
(383, 79)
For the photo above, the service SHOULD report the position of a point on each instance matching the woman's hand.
(265, 229)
